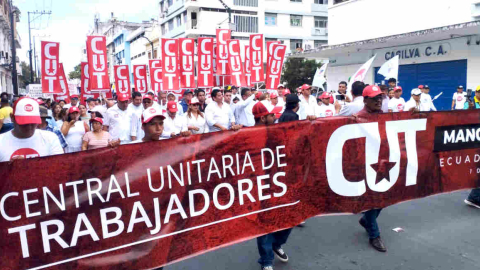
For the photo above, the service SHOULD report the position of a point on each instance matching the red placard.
(155, 75)
(274, 70)
(235, 63)
(222, 51)
(65, 94)
(186, 52)
(205, 63)
(256, 58)
(140, 78)
(85, 85)
(248, 67)
(270, 50)
(50, 71)
(170, 67)
(97, 60)
(122, 79)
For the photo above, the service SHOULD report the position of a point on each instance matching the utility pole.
(39, 13)
(14, 50)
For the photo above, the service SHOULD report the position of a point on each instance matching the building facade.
(438, 43)
(6, 60)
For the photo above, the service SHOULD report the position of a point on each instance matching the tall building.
(438, 43)
(6, 60)
(299, 24)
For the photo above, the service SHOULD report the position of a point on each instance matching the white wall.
(343, 66)
(366, 19)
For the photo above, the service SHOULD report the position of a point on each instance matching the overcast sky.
(71, 20)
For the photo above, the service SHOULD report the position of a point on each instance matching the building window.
(164, 30)
(185, 17)
(299, 1)
(319, 43)
(246, 24)
(321, 2)
(179, 20)
(321, 22)
(246, 3)
(339, 1)
(270, 19)
(170, 3)
(170, 25)
(295, 20)
(295, 44)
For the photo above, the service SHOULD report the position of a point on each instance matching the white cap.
(280, 85)
(98, 108)
(26, 111)
(416, 92)
(150, 113)
(194, 100)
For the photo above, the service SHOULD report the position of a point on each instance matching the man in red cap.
(269, 244)
(73, 102)
(274, 99)
(136, 131)
(397, 103)
(307, 103)
(175, 124)
(118, 119)
(324, 108)
(153, 126)
(372, 98)
(25, 140)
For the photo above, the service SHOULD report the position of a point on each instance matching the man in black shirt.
(291, 109)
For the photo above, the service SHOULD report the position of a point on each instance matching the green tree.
(299, 71)
(24, 79)
(76, 73)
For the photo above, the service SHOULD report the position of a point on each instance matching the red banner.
(85, 84)
(50, 72)
(216, 78)
(256, 56)
(222, 51)
(65, 94)
(140, 78)
(235, 63)
(274, 70)
(270, 45)
(205, 63)
(122, 79)
(186, 52)
(248, 67)
(140, 206)
(170, 67)
(97, 60)
(155, 67)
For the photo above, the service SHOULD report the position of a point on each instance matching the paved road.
(441, 233)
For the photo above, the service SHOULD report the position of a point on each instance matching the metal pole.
(34, 60)
(14, 52)
(30, 51)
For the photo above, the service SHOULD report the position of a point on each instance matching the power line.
(39, 15)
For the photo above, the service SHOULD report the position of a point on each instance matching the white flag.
(390, 68)
(319, 78)
(361, 73)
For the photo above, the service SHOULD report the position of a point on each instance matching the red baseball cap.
(286, 92)
(258, 95)
(372, 91)
(420, 87)
(123, 97)
(172, 106)
(398, 88)
(150, 113)
(147, 96)
(306, 86)
(40, 102)
(73, 109)
(325, 95)
(74, 96)
(26, 111)
(97, 119)
(263, 108)
(273, 95)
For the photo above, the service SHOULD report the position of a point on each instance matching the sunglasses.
(196, 105)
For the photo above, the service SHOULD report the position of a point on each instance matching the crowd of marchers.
(39, 127)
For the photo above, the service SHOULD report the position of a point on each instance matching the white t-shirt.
(307, 107)
(459, 100)
(43, 143)
(176, 125)
(325, 110)
(119, 123)
(411, 104)
(218, 115)
(426, 103)
(396, 104)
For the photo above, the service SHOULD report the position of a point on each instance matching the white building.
(299, 24)
(438, 43)
(6, 60)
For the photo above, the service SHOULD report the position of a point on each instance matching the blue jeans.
(474, 195)
(268, 242)
(370, 219)
(6, 128)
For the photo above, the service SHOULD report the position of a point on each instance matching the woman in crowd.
(84, 116)
(73, 130)
(56, 109)
(62, 103)
(97, 138)
(195, 118)
(62, 117)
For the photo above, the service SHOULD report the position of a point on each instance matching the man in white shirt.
(152, 125)
(243, 109)
(414, 103)
(136, 131)
(357, 103)
(136, 105)
(386, 98)
(325, 109)
(175, 124)
(235, 93)
(219, 115)
(118, 120)
(459, 99)
(172, 97)
(397, 103)
(73, 102)
(25, 140)
(426, 100)
(162, 101)
(307, 103)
